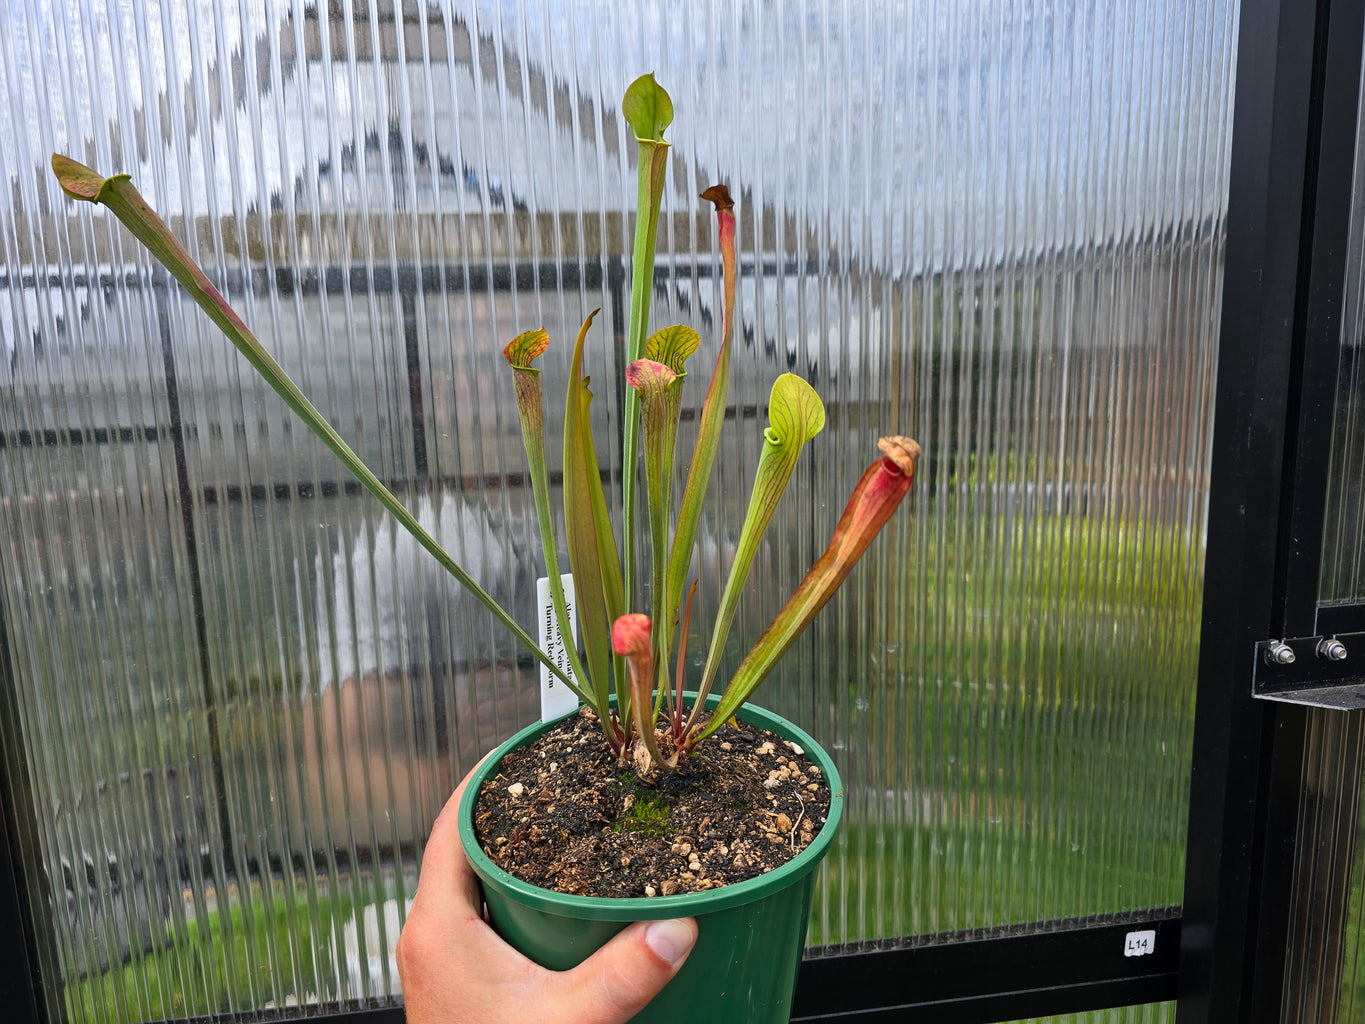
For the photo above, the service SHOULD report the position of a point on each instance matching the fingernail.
(670, 940)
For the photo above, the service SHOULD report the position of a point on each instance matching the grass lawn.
(238, 962)
(1019, 753)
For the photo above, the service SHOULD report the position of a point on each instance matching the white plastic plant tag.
(1141, 943)
(556, 699)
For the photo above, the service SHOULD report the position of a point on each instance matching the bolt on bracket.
(1323, 671)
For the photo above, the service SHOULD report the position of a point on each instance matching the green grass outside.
(1151, 1013)
(237, 963)
(979, 710)
(881, 882)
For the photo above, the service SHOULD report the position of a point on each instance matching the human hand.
(456, 969)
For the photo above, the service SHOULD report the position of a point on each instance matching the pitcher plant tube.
(626, 653)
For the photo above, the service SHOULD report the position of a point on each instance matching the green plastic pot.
(750, 935)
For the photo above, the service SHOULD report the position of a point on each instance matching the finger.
(619, 980)
(446, 945)
(447, 884)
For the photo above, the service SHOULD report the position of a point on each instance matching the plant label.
(556, 699)
(1139, 943)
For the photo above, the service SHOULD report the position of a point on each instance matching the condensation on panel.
(1325, 960)
(1342, 580)
(242, 695)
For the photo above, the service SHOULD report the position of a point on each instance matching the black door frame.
(1223, 956)
(1298, 87)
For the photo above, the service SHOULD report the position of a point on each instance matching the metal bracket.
(1323, 671)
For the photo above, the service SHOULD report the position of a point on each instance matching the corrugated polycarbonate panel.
(1324, 978)
(1325, 959)
(1150, 1013)
(242, 695)
(1342, 580)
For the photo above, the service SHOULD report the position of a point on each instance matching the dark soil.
(563, 814)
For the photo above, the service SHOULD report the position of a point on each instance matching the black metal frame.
(20, 933)
(1079, 966)
(1293, 151)
(1223, 958)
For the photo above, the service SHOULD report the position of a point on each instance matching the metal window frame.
(1298, 88)
(20, 980)
(1223, 957)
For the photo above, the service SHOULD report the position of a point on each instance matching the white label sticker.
(556, 699)
(1139, 943)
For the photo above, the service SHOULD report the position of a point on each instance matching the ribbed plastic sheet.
(236, 696)
(1342, 580)
(1148, 1013)
(1324, 980)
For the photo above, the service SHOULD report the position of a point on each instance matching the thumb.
(619, 980)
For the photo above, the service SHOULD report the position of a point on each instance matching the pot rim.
(655, 908)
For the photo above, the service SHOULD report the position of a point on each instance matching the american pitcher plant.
(625, 652)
